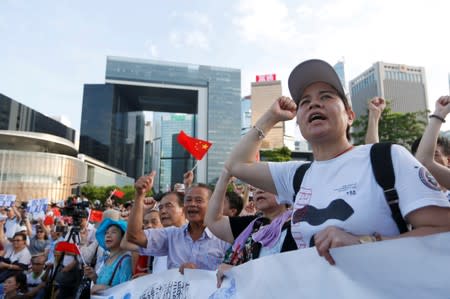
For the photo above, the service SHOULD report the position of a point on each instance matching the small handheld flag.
(118, 193)
(196, 147)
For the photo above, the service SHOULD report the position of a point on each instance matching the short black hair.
(23, 235)
(21, 281)
(201, 185)
(441, 141)
(179, 195)
(235, 201)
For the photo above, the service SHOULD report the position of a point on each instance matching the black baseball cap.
(312, 71)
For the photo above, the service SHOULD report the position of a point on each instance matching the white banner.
(7, 200)
(403, 268)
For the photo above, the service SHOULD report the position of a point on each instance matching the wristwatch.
(370, 238)
(367, 239)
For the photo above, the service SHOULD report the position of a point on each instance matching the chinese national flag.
(118, 193)
(96, 216)
(196, 147)
(48, 220)
(67, 247)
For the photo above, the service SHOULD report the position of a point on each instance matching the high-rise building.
(112, 134)
(264, 93)
(403, 85)
(246, 114)
(340, 71)
(171, 160)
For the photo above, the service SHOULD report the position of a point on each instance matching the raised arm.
(427, 145)
(125, 245)
(241, 162)
(135, 232)
(188, 179)
(217, 223)
(376, 107)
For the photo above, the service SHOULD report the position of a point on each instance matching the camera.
(76, 210)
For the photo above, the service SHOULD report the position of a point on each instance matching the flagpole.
(82, 258)
(195, 166)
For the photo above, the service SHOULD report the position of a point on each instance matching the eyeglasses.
(38, 264)
(17, 240)
(40, 231)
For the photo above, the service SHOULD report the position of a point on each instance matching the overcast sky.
(49, 49)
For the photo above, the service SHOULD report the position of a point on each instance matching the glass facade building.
(173, 160)
(15, 116)
(211, 94)
(340, 71)
(246, 115)
(32, 175)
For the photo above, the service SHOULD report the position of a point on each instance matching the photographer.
(87, 229)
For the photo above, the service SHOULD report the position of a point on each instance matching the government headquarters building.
(204, 101)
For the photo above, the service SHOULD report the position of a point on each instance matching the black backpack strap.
(383, 170)
(298, 178)
(116, 267)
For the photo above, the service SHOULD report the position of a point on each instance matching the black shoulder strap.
(383, 170)
(298, 178)
(94, 258)
(117, 266)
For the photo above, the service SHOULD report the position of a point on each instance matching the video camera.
(76, 210)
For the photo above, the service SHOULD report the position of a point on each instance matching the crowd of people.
(337, 202)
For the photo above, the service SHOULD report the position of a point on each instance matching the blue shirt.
(206, 253)
(122, 274)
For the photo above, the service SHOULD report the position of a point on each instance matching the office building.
(263, 94)
(39, 159)
(403, 85)
(171, 160)
(246, 114)
(210, 93)
(340, 71)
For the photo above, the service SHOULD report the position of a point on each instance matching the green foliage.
(102, 192)
(276, 155)
(395, 127)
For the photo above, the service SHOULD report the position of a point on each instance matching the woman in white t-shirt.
(339, 203)
(17, 255)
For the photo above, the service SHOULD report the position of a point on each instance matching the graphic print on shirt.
(302, 200)
(305, 212)
(337, 209)
(427, 179)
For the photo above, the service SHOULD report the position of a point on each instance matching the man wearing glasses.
(35, 282)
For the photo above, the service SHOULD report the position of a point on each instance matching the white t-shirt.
(33, 281)
(343, 192)
(11, 226)
(23, 256)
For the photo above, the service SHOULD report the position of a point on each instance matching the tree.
(395, 127)
(102, 192)
(276, 155)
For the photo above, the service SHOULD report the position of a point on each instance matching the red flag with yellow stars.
(196, 147)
